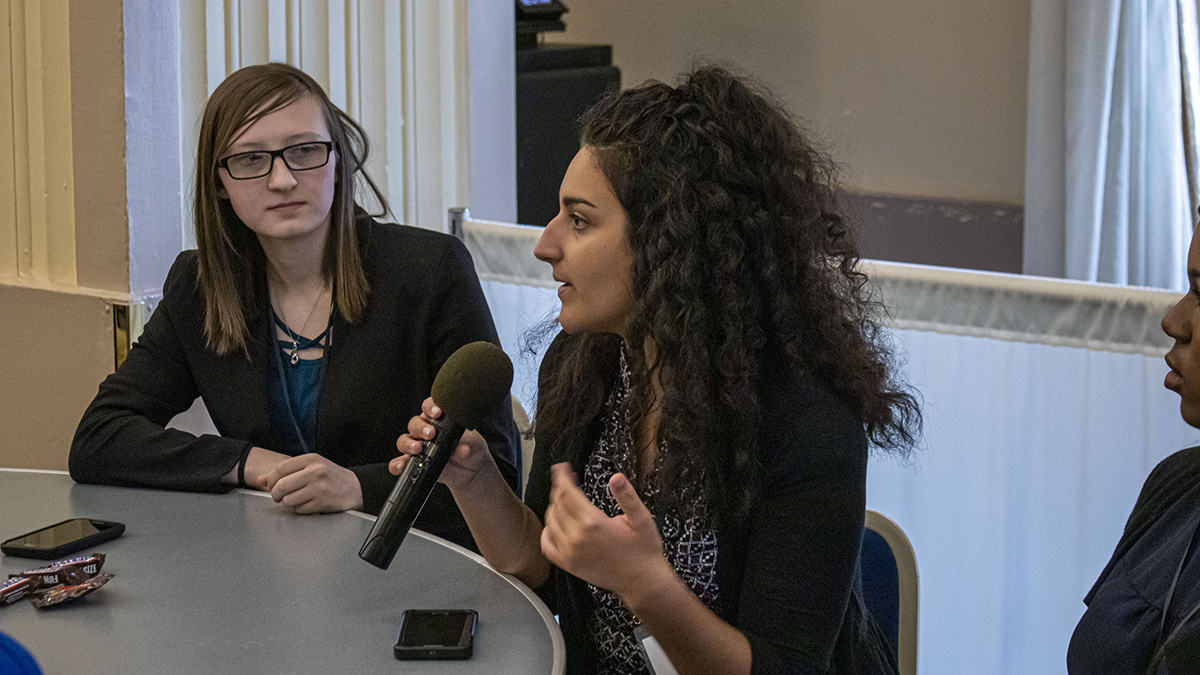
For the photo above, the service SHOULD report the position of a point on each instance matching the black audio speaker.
(555, 84)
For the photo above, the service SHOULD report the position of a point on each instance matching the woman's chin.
(1190, 411)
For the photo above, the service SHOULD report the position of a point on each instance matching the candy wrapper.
(14, 589)
(57, 582)
(48, 597)
(69, 571)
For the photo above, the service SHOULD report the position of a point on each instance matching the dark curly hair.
(740, 250)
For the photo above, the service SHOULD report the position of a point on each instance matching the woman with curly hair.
(704, 417)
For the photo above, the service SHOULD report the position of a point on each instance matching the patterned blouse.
(688, 543)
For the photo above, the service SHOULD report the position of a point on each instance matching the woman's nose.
(1175, 323)
(281, 177)
(546, 248)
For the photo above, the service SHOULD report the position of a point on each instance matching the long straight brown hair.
(230, 257)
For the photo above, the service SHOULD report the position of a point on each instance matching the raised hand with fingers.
(620, 554)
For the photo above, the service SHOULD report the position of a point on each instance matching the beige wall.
(98, 134)
(55, 348)
(918, 98)
(66, 187)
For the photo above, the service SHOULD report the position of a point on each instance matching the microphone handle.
(412, 489)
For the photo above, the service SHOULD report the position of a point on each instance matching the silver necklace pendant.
(295, 355)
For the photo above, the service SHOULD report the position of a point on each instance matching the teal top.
(294, 401)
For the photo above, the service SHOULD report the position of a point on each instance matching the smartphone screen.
(57, 535)
(436, 634)
(62, 538)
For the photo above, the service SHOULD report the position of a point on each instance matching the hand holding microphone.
(471, 383)
(466, 460)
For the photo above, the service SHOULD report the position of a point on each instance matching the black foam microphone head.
(472, 382)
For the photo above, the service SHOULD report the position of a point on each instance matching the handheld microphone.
(470, 384)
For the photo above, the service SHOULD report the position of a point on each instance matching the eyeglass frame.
(277, 154)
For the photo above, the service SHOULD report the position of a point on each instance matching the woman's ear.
(221, 191)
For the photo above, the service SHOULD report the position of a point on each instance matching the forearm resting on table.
(507, 532)
(693, 637)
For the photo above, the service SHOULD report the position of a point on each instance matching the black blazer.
(788, 573)
(425, 302)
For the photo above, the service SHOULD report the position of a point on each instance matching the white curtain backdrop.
(1106, 192)
(1044, 411)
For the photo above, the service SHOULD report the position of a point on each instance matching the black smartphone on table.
(62, 539)
(436, 634)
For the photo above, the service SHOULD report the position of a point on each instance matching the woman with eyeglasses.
(311, 331)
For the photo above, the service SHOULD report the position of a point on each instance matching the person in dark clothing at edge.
(311, 331)
(1143, 613)
(704, 417)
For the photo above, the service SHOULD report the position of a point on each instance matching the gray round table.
(235, 583)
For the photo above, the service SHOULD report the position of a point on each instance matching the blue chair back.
(888, 568)
(881, 585)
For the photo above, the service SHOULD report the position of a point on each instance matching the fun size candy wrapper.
(69, 571)
(48, 597)
(57, 582)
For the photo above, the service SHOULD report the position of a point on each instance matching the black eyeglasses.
(258, 163)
